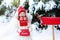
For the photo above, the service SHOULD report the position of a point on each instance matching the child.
(24, 24)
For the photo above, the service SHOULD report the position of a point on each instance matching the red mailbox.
(51, 20)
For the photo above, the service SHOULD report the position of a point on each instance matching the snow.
(22, 2)
(8, 30)
(51, 4)
(31, 2)
(7, 2)
(3, 19)
(40, 4)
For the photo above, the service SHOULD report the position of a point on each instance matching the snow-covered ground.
(8, 31)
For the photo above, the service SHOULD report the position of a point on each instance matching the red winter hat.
(21, 9)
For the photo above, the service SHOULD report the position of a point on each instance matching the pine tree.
(1, 1)
(26, 5)
(2, 10)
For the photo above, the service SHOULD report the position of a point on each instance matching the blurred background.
(8, 9)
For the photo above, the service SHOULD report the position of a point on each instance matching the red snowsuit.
(23, 21)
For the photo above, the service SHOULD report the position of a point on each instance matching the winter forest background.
(49, 8)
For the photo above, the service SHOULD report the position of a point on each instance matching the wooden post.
(53, 32)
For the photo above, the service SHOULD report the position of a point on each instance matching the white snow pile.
(3, 19)
(7, 3)
(8, 31)
(40, 4)
(50, 5)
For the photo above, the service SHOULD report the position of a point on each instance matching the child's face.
(22, 14)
